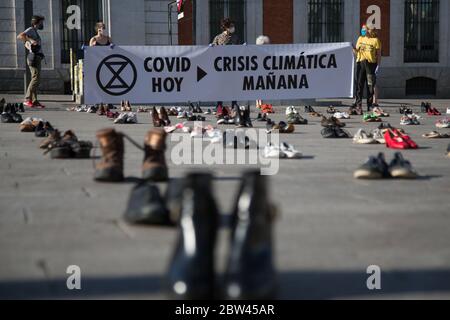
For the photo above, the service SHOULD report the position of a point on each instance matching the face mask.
(363, 32)
(231, 30)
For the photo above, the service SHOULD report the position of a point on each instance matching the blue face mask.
(363, 32)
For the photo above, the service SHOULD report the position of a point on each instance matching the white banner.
(170, 74)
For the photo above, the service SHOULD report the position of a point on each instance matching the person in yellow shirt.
(368, 50)
(358, 69)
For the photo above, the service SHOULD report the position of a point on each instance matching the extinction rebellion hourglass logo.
(116, 75)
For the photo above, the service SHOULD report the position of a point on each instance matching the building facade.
(414, 33)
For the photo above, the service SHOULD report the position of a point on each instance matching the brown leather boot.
(154, 166)
(53, 137)
(110, 168)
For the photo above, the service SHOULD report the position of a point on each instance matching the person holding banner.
(260, 41)
(101, 39)
(227, 37)
(369, 50)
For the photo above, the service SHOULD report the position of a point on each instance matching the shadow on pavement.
(293, 285)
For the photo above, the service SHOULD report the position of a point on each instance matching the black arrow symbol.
(200, 73)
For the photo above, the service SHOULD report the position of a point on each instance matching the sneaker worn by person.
(374, 168)
(28, 103)
(250, 272)
(400, 168)
(110, 168)
(154, 167)
(191, 269)
(37, 104)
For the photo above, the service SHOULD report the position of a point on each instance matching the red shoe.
(436, 112)
(406, 138)
(393, 141)
(29, 104)
(219, 112)
(37, 104)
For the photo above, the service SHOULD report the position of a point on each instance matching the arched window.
(421, 86)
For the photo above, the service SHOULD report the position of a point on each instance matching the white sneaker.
(290, 151)
(131, 117)
(214, 135)
(341, 115)
(448, 110)
(121, 118)
(378, 136)
(289, 111)
(361, 137)
(273, 152)
(197, 132)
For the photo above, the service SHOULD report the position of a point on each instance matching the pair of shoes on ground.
(426, 107)
(281, 127)
(111, 166)
(160, 117)
(291, 110)
(405, 110)
(443, 123)
(103, 109)
(375, 136)
(332, 110)
(10, 115)
(436, 135)
(371, 117)
(241, 116)
(29, 124)
(335, 132)
(341, 115)
(262, 117)
(312, 112)
(356, 110)
(410, 120)
(31, 104)
(377, 168)
(126, 118)
(43, 129)
(195, 108)
(331, 122)
(11, 107)
(397, 139)
(67, 146)
(125, 106)
(143, 109)
(296, 118)
(379, 112)
(267, 108)
(282, 151)
(250, 271)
